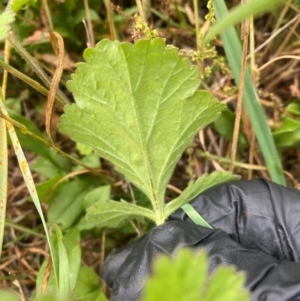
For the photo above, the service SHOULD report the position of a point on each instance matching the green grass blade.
(256, 114)
(3, 178)
(62, 266)
(239, 13)
(28, 181)
(195, 216)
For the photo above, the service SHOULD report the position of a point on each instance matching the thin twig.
(247, 166)
(34, 65)
(91, 37)
(277, 25)
(59, 51)
(276, 33)
(140, 9)
(111, 23)
(240, 94)
(48, 15)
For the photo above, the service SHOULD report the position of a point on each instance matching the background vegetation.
(66, 187)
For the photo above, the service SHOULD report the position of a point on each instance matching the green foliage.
(194, 189)
(69, 211)
(288, 133)
(143, 27)
(184, 278)
(67, 258)
(137, 106)
(18, 4)
(6, 19)
(112, 213)
(8, 16)
(87, 286)
(8, 296)
(225, 126)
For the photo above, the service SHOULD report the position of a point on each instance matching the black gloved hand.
(256, 228)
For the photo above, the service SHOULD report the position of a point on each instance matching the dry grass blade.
(28, 179)
(3, 154)
(140, 9)
(91, 39)
(46, 276)
(59, 51)
(3, 178)
(111, 23)
(245, 37)
(35, 66)
(295, 57)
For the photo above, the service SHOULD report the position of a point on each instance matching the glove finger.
(114, 261)
(257, 214)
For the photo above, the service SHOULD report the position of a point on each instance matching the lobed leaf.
(180, 279)
(205, 182)
(112, 213)
(138, 107)
(226, 284)
(6, 18)
(185, 278)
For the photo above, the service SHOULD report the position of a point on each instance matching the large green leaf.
(66, 205)
(138, 106)
(184, 278)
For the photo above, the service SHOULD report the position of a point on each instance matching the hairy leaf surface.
(6, 18)
(112, 213)
(138, 106)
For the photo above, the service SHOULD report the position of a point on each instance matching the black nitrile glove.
(256, 228)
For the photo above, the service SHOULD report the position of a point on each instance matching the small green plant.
(139, 107)
(184, 278)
